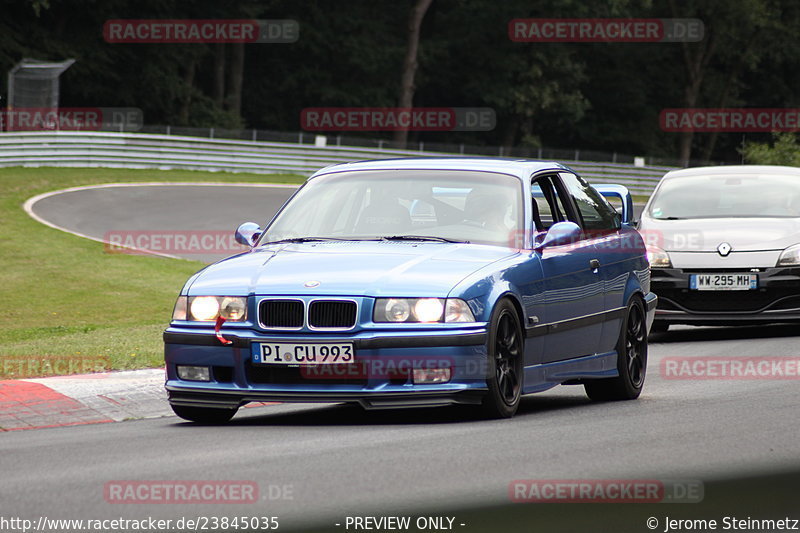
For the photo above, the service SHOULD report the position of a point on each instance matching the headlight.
(233, 308)
(204, 308)
(208, 308)
(394, 310)
(658, 258)
(428, 309)
(790, 256)
(422, 310)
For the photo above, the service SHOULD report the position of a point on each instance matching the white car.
(724, 245)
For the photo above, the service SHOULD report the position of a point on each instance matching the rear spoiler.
(621, 193)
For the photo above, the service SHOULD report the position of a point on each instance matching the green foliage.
(784, 150)
(601, 96)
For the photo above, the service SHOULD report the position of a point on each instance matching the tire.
(203, 415)
(631, 359)
(504, 377)
(659, 327)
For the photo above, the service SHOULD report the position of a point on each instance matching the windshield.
(435, 205)
(727, 196)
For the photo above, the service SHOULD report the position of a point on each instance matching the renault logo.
(724, 249)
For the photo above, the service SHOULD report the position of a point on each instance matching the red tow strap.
(220, 338)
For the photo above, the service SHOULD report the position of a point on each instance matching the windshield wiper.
(291, 240)
(421, 238)
(305, 239)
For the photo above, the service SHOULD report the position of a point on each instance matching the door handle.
(594, 264)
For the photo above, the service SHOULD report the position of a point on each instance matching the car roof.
(522, 168)
(727, 170)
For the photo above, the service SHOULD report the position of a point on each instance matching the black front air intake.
(332, 314)
(281, 314)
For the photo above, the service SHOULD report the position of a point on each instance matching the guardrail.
(133, 150)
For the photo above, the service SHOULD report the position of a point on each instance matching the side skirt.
(545, 376)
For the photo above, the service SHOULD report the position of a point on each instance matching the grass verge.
(68, 307)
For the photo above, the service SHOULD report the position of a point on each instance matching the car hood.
(706, 234)
(351, 268)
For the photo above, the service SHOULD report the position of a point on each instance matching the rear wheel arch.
(631, 359)
(638, 294)
(633, 286)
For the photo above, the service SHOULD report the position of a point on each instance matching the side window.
(595, 210)
(548, 206)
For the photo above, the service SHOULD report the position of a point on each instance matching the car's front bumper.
(777, 298)
(381, 377)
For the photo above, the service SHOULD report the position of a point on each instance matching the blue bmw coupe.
(420, 282)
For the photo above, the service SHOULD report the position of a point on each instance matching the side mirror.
(559, 234)
(621, 194)
(248, 233)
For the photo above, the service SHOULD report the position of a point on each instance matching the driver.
(487, 210)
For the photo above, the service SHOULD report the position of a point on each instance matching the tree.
(532, 87)
(713, 66)
(406, 98)
(784, 150)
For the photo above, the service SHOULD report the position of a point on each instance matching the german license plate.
(279, 353)
(723, 282)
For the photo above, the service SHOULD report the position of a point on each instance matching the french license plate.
(279, 353)
(723, 282)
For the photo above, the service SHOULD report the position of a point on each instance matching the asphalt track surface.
(739, 437)
(163, 211)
